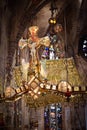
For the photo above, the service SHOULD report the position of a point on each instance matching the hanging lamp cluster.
(53, 9)
(36, 87)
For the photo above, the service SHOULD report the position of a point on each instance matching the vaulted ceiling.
(17, 15)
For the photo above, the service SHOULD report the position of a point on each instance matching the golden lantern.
(52, 21)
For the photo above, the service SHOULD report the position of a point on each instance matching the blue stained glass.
(83, 46)
(54, 117)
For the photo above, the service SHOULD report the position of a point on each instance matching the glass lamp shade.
(9, 92)
(42, 85)
(47, 86)
(63, 85)
(53, 87)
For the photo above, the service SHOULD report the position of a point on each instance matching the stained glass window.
(53, 117)
(82, 49)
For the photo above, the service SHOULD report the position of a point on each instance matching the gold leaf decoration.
(57, 71)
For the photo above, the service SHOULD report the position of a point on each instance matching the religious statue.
(51, 53)
(34, 43)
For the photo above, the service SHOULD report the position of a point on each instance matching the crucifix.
(34, 43)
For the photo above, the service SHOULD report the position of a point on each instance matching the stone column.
(37, 115)
(3, 51)
(25, 115)
(67, 118)
(86, 114)
(40, 119)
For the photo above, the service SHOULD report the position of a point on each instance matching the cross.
(34, 43)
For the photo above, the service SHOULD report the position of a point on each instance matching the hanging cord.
(66, 49)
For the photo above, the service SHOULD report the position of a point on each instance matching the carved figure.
(34, 43)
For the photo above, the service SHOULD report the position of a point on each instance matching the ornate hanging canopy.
(40, 92)
(46, 81)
